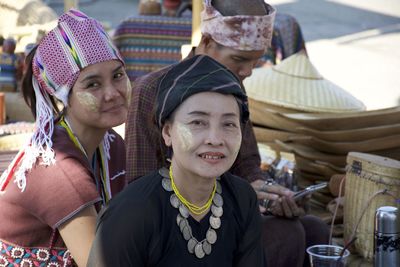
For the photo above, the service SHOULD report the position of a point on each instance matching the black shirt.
(138, 228)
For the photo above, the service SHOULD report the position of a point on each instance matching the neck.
(195, 189)
(89, 137)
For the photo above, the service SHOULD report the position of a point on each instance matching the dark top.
(138, 228)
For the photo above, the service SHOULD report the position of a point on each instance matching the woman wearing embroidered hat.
(192, 213)
(74, 162)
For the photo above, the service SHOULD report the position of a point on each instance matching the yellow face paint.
(185, 137)
(88, 100)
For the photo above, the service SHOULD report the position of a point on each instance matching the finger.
(258, 185)
(262, 209)
(279, 190)
(286, 209)
(276, 208)
(263, 195)
(303, 200)
(293, 207)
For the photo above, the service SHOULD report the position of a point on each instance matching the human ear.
(166, 134)
(206, 41)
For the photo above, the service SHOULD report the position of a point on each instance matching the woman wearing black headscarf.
(192, 212)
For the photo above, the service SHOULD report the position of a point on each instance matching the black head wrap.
(195, 75)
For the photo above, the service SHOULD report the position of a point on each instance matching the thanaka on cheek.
(88, 100)
(185, 136)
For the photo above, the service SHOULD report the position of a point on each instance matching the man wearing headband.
(235, 33)
(74, 162)
(191, 212)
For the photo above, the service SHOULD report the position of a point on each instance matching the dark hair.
(27, 88)
(240, 7)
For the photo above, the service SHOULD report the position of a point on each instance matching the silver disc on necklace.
(219, 188)
(217, 200)
(211, 236)
(217, 211)
(164, 172)
(174, 201)
(179, 218)
(166, 184)
(182, 224)
(215, 222)
(206, 247)
(183, 211)
(191, 244)
(198, 251)
(187, 232)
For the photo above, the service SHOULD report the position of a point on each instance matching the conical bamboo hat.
(295, 83)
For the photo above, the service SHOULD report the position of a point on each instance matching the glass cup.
(327, 256)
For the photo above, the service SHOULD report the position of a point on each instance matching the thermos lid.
(387, 220)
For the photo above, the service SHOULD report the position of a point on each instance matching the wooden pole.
(68, 4)
(197, 7)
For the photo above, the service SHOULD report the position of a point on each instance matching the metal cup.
(387, 237)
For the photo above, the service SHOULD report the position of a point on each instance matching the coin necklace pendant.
(198, 248)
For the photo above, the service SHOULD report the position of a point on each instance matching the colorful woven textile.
(12, 255)
(149, 43)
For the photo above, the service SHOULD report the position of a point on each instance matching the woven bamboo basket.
(367, 177)
(14, 141)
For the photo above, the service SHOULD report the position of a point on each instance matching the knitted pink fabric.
(77, 42)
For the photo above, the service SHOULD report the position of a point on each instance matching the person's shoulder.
(138, 202)
(149, 80)
(237, 182)
(139, 191)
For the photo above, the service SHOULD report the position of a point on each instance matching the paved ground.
(353, 43)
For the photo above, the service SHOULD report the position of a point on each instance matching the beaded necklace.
(203, 247)
(102, 183)
(192, 207)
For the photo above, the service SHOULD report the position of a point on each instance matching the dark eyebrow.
(230, 115)
(94, 76)
(203, 113)
(198, 113)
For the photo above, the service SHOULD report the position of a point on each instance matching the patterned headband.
(238, 32)
(77, 42)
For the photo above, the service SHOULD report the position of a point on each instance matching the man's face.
(9, 46)
(239, 62)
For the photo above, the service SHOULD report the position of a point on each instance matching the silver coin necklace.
(203, 247)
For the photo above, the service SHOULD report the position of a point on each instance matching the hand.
(286, 207)
(269, 192)
(281, 198)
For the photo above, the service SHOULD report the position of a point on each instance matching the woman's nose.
(111, 92)
(215, 137)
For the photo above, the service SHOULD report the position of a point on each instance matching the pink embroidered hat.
(77, 42)
(239, 32)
